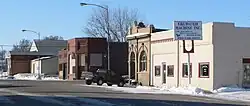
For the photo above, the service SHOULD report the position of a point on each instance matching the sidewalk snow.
(226, 93)
(232, 88)
(30, 76)
(26, 76)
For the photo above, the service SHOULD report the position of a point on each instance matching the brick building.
(89, 54)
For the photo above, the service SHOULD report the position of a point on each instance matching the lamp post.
(39, 39)
(108, 26)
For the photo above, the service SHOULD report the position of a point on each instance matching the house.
(222, 58)
(27, 62)
(139, 51)
(89, 54)
(46, 64)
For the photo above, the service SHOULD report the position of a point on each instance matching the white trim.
(137, 35)
(41, 58)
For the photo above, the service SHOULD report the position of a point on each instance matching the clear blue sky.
(66, 17)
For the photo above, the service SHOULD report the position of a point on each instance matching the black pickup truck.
(104, 76)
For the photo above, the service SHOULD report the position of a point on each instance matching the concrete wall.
(50, 66)
(230, 47)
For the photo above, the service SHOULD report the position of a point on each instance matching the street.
(70, 93)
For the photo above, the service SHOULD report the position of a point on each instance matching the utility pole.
(2, 60)
(108, 27)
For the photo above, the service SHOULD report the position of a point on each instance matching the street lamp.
(107, 22)
(39, 39)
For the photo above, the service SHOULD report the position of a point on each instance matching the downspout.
(150, 60)
(137, 64)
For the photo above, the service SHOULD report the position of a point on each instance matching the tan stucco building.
(222, 58)
(139, 52)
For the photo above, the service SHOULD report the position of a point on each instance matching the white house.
(221, 58)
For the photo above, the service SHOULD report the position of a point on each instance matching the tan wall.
(143, 77)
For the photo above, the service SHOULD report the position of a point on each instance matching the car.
(104, 76)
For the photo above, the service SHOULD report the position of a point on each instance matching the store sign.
(188, 30)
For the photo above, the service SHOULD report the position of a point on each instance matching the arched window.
(132, 57)
(143, 61)
(132, 65)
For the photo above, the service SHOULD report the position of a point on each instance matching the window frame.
(183, 71)
(157, 67)
(199, 67)
(168, 70)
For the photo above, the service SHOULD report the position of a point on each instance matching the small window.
(185, 70)
(204, 70)
(170, 71)
(157, 70)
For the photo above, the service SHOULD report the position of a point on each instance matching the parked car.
(104, 76)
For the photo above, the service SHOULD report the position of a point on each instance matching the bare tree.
(120, 19)
(53, 38)
(22, 46)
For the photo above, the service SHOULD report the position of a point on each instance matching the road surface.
(70, 93)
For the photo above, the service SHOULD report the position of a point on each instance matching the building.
(222, 58)
(139, 40)
(90, 54)
(62, 61)
(20, 62)
(27, 62)
(46, 64)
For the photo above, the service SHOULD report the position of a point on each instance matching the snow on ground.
(226, 93)
(26, 76)
(29, 76)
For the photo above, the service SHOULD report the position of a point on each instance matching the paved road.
(70, 93)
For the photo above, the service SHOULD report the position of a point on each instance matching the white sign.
(188, 30)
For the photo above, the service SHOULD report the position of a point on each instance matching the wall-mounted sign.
(188, 30)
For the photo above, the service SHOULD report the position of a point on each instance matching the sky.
(67, 18)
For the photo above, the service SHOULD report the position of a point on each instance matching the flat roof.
(30, 53)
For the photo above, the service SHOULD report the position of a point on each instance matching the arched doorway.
(132, 65)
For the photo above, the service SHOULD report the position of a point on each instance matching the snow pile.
(3, 74)
(30, 76)
(232, 92)
(187, 90)
(176, 90)
(26, 76)
(232, 88)
(226, 93)
(51, 78)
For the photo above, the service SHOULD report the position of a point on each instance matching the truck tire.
(88, 82)
(99, 81)
(121, 84)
